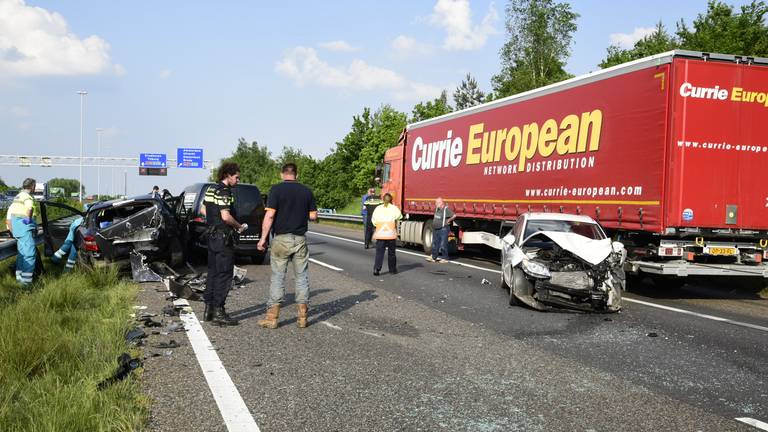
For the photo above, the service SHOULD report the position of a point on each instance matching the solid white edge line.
(320, 263)
(752, 422)
(654, 305)
(700, 315)
(233, 410)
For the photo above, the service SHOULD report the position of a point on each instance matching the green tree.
(468, 94)
(3, 186)
(69, 185)
(723, 30)
(256, 165)
(333, 182)
(433, 108)
(386, 126)
(539, 34)
(720, 29)
(657, 42)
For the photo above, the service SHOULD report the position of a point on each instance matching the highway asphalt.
(437, 347)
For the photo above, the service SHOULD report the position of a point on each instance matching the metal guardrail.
(340, 217)
(8, 245)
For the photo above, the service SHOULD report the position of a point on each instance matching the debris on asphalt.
(134, 335)
(125, 365)
(652, 334)
(176, 326)
(149, 322)
(485, 282)
(170, 310)
(140, 270)
(164, 345)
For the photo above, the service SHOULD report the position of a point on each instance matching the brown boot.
(270, 321)
(301, 321)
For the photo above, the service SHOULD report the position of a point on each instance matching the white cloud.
(405, 46)
(165, 73)
(304, 67)
(627, 40)
(35, 42)
(337, 45)
(455, 17)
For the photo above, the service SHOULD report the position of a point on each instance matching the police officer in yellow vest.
(218, 211)
(21, 221)
(384, 219)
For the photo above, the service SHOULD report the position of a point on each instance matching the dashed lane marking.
(630, 300)
(231, 405)
(409, 253)
(752, 422)
(320, 263)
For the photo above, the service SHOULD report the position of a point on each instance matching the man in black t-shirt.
(217, 210)
(289, 205)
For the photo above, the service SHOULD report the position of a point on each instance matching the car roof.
(559, 216)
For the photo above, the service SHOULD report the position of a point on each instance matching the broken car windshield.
(585, 229)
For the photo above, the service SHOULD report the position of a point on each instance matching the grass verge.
(58, 339)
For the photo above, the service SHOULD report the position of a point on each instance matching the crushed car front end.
(564, 269)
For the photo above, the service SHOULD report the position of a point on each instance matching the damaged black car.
(562, 260)
(111, 230)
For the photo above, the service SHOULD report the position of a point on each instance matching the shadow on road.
(260, 309)
(716, 288)
(332, 308)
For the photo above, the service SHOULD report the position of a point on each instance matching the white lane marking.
(655, 305)
(231, 405)
(325, 265)
(335, 327)
(409, 253)
(752, 422)
(700, 315)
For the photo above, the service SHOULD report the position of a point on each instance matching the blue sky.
(162, 75)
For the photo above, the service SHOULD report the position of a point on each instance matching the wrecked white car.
(562, 260)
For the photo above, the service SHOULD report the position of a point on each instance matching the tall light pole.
(82, 94)
(98, 175)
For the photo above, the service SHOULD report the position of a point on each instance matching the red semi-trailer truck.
(669, 153)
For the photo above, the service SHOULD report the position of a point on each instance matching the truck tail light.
(89, 242)
(759, 257)
(690, 256)
(765, 254)
(670, 251)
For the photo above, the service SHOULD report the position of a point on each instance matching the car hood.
(590, 250)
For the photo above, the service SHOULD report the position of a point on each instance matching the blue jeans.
(440, 242)
(285, 248)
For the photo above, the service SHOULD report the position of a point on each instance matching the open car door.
(56, 219)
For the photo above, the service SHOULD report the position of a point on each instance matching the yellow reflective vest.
(385, 219)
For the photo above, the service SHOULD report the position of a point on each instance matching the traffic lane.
(375, 360)
(734, 300)
(712, 364)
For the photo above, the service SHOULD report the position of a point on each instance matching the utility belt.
(221, 231)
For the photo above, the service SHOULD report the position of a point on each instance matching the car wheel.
(426, 236)
(519, 284)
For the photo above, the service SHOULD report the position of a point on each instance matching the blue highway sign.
(152, 160)
(189, 158)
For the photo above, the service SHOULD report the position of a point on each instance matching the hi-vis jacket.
(385, 219)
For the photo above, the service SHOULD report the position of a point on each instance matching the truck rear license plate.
(720, 251)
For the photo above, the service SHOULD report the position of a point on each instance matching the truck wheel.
(426, 236)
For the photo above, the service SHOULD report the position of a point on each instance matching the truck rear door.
(719, 151)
